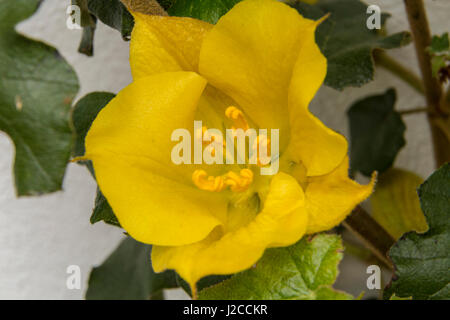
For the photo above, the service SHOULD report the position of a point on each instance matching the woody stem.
(418, 22)
(374, 237)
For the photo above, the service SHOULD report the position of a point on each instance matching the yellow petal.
(317, 147)
(250, 54)
(280, 223)
(330, 198)
(130, 146)
(164, 44)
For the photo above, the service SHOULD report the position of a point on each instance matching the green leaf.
(440, 44)
(114, 14)
(127, 274)
(438, 63)
(103, 211)
(36, 90)
(395, 205)
(111, 12)
(89, 24)
(422, 261)
(206, 10)
(394, 297)
(377, 133)
(304, 271)
(346, 41)
(203, 283)
(84, 113)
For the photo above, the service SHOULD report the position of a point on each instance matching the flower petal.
(250, 53)
(330, 198)
(165, 44)
(130, 146)
(319, 148)
(280, 223)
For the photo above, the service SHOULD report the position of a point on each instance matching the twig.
(433, 91)
(375, 238)
(145, 6)
(413, 111)
(385, 61)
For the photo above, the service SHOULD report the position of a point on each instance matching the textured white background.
(40, 237)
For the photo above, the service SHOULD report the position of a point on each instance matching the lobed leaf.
(36, 90)
(127, 274)
(304, 271)
(346, 41)
(422, 261)
(377, 133)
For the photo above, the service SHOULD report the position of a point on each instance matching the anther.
(238, 118)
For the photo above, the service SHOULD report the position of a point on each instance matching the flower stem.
(375, 238)
(385, 61)
(433, 90)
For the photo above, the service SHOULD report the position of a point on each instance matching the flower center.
(237, 182)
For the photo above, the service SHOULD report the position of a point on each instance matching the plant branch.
(151, 7)
(433, 91)
(374, 237)
(413, 111)
(396, 68)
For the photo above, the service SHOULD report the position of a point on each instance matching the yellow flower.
(261, 60)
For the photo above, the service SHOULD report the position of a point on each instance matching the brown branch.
(151, 7)
(414, 111)
(374, 237)
(433, 91)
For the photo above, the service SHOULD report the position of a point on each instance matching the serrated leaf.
(422, 261)
(206, 10)
(36, 90)
(395, 205)
(377, 133)
(127, 274)
(84, 113)
(304, 271)
(347, 42)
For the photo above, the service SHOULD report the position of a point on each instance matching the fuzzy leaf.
(377, 133)
(347, 42)
(128, 274)
(422, 261)
(83, 115)
(114, 14)
(36, 90)
(206, 10)
(304, 271)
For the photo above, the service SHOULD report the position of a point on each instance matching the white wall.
(40, 237)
